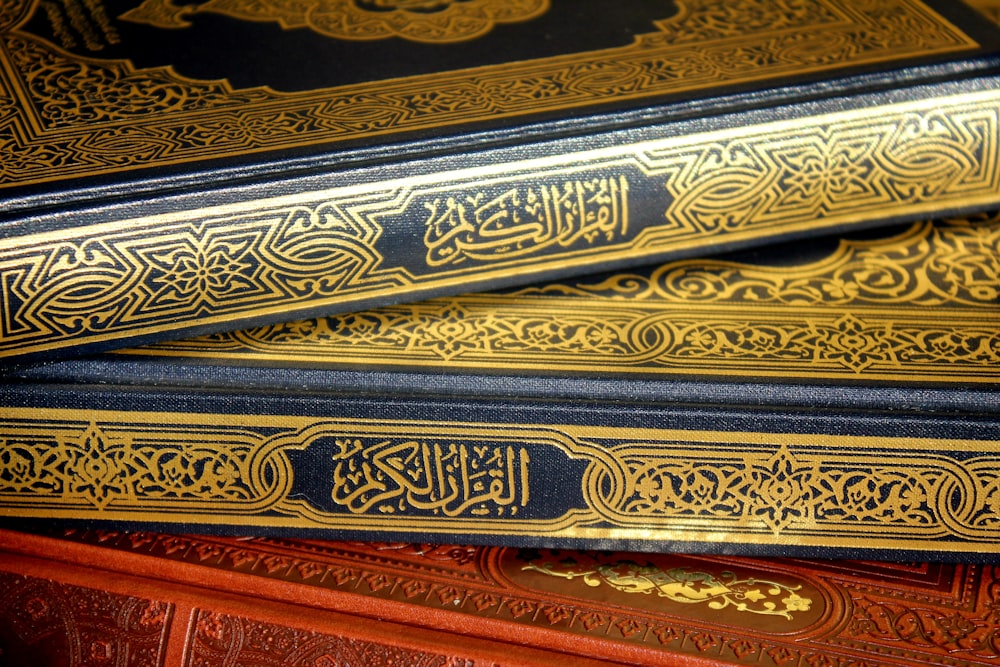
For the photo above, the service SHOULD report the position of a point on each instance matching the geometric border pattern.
(394, 479)
(153, 117)
(218, 267)
(329, 249)
(917, 306)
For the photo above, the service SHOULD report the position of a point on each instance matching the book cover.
(179, 168)
(988, 8)
(838, 397)
(94, 598)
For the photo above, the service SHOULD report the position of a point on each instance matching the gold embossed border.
(315, 250)
(402, 478)
(154, 117)
(917, 306)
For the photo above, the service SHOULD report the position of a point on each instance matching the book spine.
(519, 472)
(105, 277)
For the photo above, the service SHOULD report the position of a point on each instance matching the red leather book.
(101, 598)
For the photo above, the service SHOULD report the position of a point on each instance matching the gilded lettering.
(446, 479)
(523, 220)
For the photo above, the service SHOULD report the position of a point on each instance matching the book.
(122, 598)
(176, 169)
(988, 8)
(838, 397)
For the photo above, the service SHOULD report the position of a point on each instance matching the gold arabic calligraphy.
(523, 220)
(440, 478)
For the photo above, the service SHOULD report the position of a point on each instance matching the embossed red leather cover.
(95, 598)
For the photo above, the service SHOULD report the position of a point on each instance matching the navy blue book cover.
(176, 169)
(833, 397)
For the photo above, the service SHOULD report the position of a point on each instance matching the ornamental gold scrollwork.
(869, 309)
(61, 85)
(821, 171)
(953, 263)
(831, 344)
(428, 21)
(155, 117)
(13, 12)
(112, 468)
(685, 485)
(966, 264)
(810, 343)
(787, 492)
(126, 279)
(703, 20)
(65, 287)
(684, 586)
(444, 330)
(206, 271)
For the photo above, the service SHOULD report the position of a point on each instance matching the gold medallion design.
(154, 117)
(430, 21)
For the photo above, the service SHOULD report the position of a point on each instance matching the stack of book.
(475, 332)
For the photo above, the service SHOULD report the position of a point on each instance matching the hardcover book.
(988, 8)
(838, 397)
(91, 598)
(181, 168)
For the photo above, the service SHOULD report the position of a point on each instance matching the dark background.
(254, 54)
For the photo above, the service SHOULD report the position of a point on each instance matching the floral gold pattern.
(790, 491)
(390, 477)
(914, 305)
(157, 118)
(95, 283)
(684, 586)
(214, 267)
(109, 467)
